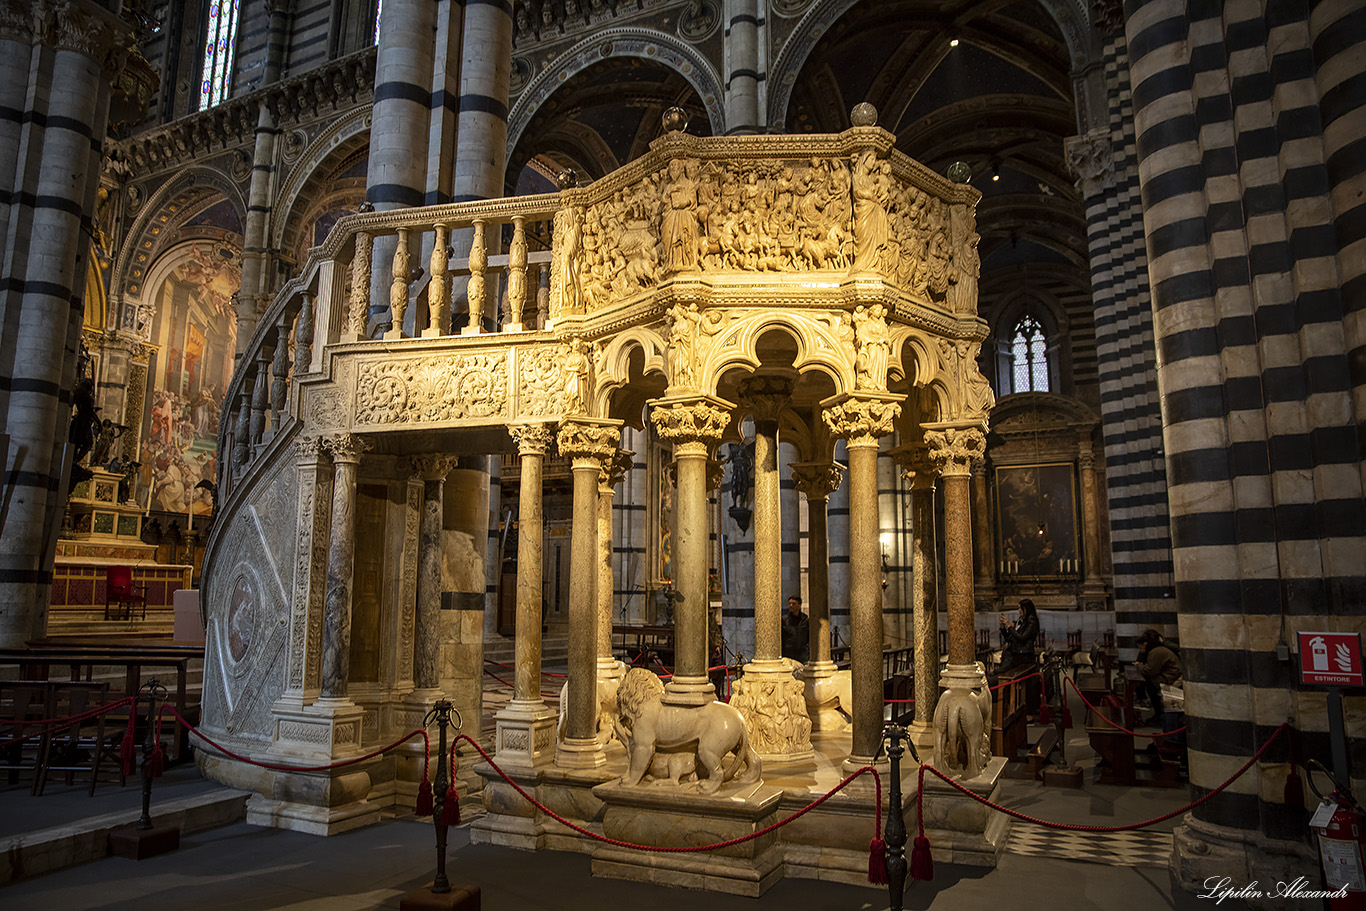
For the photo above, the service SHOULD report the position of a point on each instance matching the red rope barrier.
(690, 849)
(1113, 724)
(511, 687)
(420, 732)
(1070, 827)
(59, 722)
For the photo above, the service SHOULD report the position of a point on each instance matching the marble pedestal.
(682, 817)
(1203, 851)
(773, 703)
(510, 821)
(525, 736)
(827, 690)
(961, 830)
(317, 802)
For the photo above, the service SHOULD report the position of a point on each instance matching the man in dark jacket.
(796, 631)
(1159, 666)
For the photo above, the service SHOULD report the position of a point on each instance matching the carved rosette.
(954, 450)
(531, 439)
(817, 480)
(584, 442)
(345, 447)
(860, 421)
(692, 427)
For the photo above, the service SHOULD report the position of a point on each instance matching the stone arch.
(1069, 15)
(824, 344)
(646, 44)
(343, 137)
(617, 391)
(138, 252)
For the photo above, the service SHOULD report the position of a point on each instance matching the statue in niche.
(703, 733)
(678, 230)
(874, 346)
(569, 234)
(871, 185)
(741, 474)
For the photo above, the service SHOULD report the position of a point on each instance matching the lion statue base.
(673, 742)
(962, 722)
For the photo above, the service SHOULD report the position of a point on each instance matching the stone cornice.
(71, 25)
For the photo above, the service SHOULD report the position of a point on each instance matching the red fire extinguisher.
(1342, 848)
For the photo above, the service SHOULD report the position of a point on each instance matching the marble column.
(984, 587)
(1092, 587)
(610, 670)
(693, 424)
(921, 475)
(861, 418)
(771, 700)
(589, 444)
(526, 727)
(816, 481)
(433, 470)
(346, 451)
(744, 69)
(954, 450)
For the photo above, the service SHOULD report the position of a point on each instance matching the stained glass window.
(220, 45)
(1029, 357)
(379, 11)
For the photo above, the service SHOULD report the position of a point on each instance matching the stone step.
(503, 650)
(58, 847)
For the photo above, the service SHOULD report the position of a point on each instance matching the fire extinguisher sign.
(1330, 659)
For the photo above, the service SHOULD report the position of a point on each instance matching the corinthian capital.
(954, 450)
(765, 397)
(1091, 159)
(345, 447)
(433, 466)
(860, 418)
(531, 439)
(589, 439)
(817, 480)
(691, 423)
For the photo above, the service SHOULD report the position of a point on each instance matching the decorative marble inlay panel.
(303, 733)
(241, 618)
(541, 380)
(433, 390)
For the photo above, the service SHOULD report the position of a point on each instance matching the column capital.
(345, 447)
(1086, 459)
(614, 469)
(955, 449)
(861, 417)
(716, 473)
(309, 450)
(588, 439)
(70, 25)
(1090, 158)
(765, 397)
(432, 466)
(916, 465)
(817, 480)
(694, 424)
(532, 439)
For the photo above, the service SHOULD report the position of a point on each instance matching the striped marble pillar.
(1253, 314)
(744, 66)
(399, 133)
(1105, 159)
(57, 80)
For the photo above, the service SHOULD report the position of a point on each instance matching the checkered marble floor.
(1121, 849)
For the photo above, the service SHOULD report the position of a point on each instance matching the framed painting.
(1036, 520)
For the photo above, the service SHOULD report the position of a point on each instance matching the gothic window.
(1028, 357)
(220, 45)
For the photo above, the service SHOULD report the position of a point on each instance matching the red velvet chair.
(122, 594)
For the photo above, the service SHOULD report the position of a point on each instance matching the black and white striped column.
(744, 66)
(51, 132)
(1247, 249)
(1140, 540)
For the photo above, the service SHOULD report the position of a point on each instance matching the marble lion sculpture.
(607, 711)
(647, 726)
(961, 746)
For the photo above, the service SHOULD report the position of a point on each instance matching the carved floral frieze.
(432, 390)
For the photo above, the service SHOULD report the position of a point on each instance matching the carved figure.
(871, 184)
(609, 728)
(682, 344)
(874, 346)
(648, 727)
(678, 230)
(576, 366)
(961, 746)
